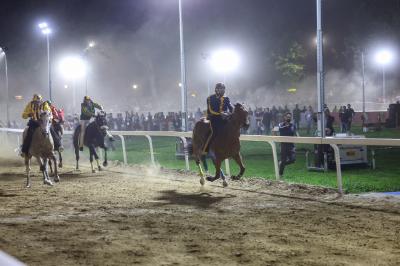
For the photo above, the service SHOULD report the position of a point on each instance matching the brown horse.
(223, 146)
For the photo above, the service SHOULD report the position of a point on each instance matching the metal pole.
(383, 85)
(49, 65)
(7, 90)
(320, 69)
(363, 82)
(183, 72)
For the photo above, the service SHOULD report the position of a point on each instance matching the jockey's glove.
(225, 115)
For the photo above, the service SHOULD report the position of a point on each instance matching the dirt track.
(147, 218)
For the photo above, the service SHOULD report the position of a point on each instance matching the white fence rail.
(272, 140)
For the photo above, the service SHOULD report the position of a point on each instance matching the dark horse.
(223, 146)
(93, 138)
(57, 131)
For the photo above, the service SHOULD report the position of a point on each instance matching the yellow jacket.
(33, 110)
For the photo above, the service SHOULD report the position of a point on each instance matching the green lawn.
(259, 163)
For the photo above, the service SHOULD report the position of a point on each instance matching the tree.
(291, 66)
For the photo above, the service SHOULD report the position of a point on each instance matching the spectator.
(309, 119)
(343, 119)
(288, 150)
(296, 116)
(350, 116)
(267, 121)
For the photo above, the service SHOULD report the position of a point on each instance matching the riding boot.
(56, 139)
(32, 125)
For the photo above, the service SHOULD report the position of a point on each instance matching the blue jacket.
(217, 105)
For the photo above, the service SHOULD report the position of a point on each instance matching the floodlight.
(224, 61)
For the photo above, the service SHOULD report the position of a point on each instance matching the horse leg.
(60, 164)
(56, 177)
(217, 163)
(43, 168)
(238, 160)
(51, 167)
(105, 163)
(28, 171)
(77, 156)
(91, 152)
(201, 173)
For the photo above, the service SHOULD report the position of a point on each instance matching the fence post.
(123, 149)
(227, 168)
(186, 152)
(151, 149)
(338, 168)
(275, 156)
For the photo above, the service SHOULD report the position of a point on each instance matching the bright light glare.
(134, 86)
(65, 86)
(92, 44)
(73, 67)
(384, 57)
(43, 25)
(46, 31)
(224, 61)
(180, 84)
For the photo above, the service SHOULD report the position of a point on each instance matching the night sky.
(138, 42)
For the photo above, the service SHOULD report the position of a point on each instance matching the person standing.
(296, 116)
(350, 116)
(288, 150)
(343, 119)
(309, 119)
(266, 120)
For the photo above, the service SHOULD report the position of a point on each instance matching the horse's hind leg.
(217, 163)
(238, 160)
(56, 176)
(28, 171)
(201, 173)
(60, 164)
(51, 167)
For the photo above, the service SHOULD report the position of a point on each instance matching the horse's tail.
(75, 141)
(200, 136)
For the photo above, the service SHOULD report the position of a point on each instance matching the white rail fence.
(272, 140)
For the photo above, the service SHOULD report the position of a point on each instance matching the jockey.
(218, 109)
(57, 118)
(32, 111)
(88, 110)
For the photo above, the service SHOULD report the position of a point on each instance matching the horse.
(223, 146)
(58, 131)
(93, 138)
(41, 148)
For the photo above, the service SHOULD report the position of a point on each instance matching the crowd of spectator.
(262, 120)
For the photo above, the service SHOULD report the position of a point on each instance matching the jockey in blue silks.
(218, 110)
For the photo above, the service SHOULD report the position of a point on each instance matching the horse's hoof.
(93, 171)
(100, 169)
(28, 185)
(56, 179)
(235, 177)
(224, 183)
(202, 181)
(48, 182)
(105, 164)
(60, 165)
(211, 178)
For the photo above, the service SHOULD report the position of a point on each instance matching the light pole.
(320, 70)
(384, 58)
(183, 70)
(86, 56)
(3, 52)
(206, 57)
(46, 30)
(363, 82)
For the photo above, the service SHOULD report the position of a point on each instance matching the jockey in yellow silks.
(33, 110)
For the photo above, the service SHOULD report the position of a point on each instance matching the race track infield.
(134, 215)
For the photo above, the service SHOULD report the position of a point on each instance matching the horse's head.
(45, 121)
(101, 120)
(242, 115)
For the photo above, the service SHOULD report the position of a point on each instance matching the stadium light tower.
(3, 53)
(46, 30)
(183, 70)
(224, 61)
(73, 68)
(91, 45)
(384, 58)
